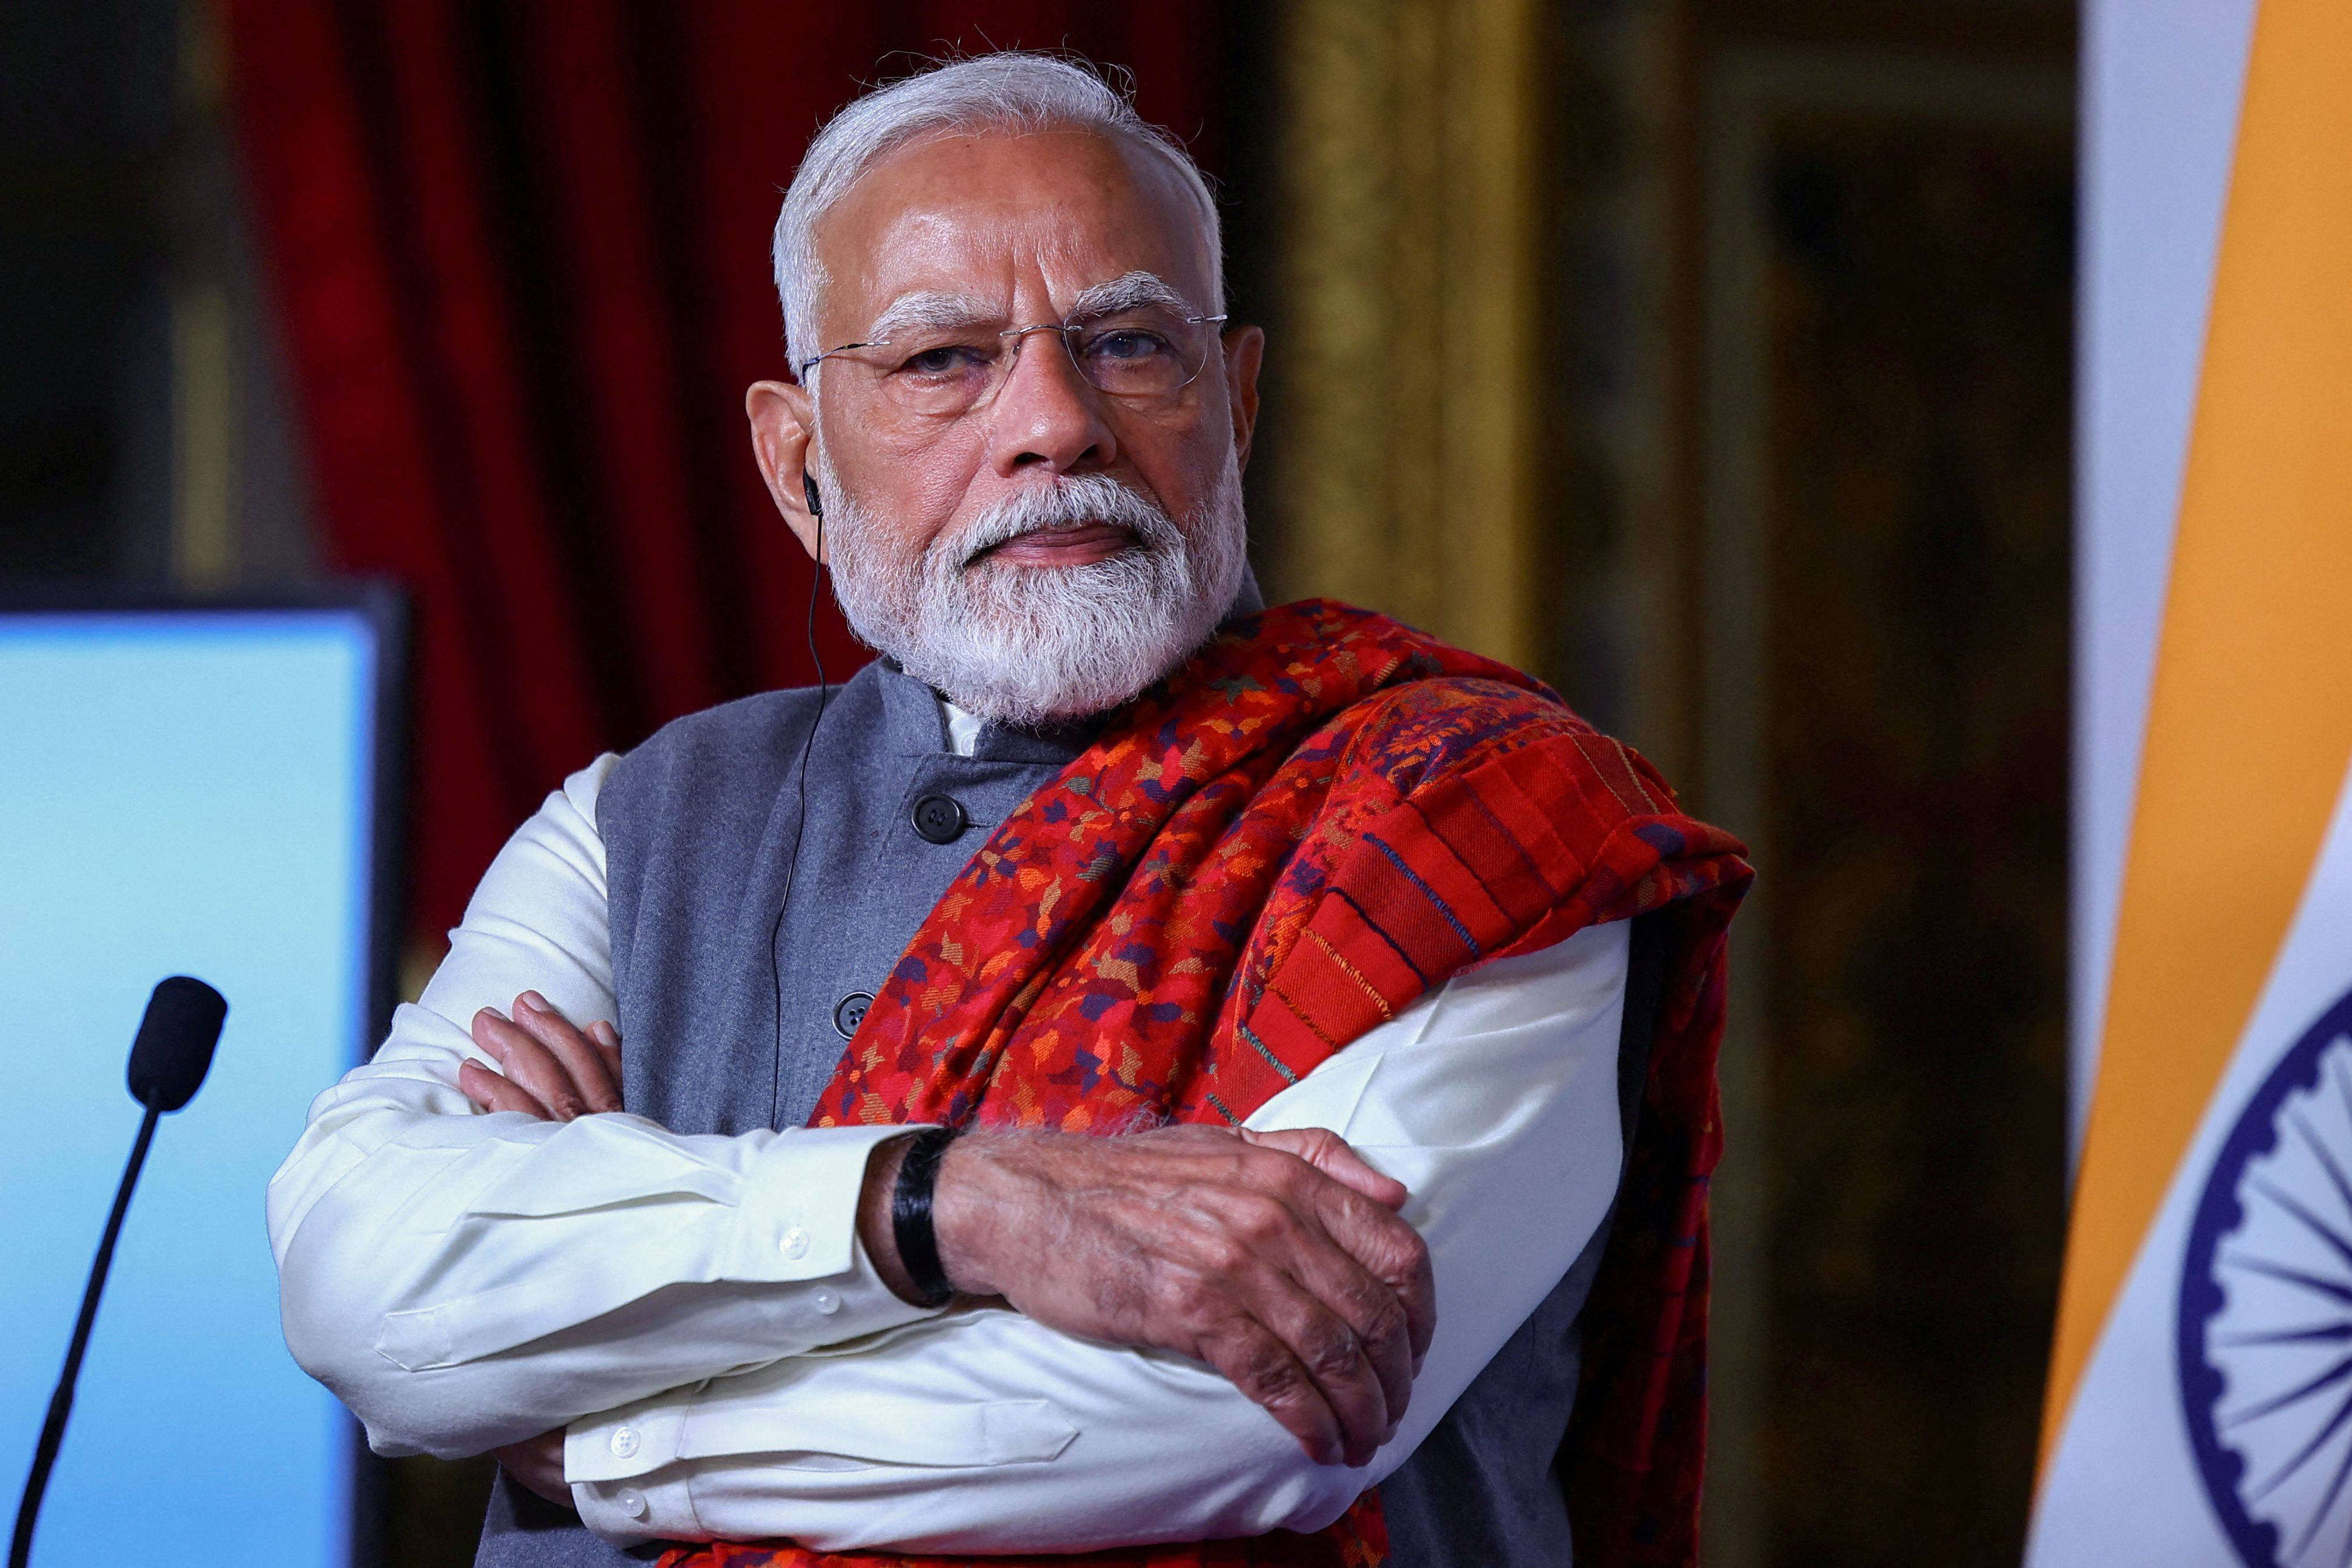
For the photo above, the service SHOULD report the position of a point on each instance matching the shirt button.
(851, 1013)
(625, 1442)
(793, 1243)
(827, 1301)
(631, 1503)
(940, 819)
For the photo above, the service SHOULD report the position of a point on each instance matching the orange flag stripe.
(2250, 721)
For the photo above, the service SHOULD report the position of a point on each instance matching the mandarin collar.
(918, 726)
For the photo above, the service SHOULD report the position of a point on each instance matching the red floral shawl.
(1322, 816)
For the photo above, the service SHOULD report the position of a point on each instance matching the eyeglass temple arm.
(813, 361)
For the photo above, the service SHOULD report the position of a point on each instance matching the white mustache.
(1065, 504)
(1036, 647)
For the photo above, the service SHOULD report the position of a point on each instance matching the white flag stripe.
(2162, 81)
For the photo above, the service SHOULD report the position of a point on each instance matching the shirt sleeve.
(464, 1280)
(1493, 1100)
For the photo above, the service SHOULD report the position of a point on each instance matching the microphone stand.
(53, 1430)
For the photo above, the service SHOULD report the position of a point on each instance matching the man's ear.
(783, 418)
(1244, 352)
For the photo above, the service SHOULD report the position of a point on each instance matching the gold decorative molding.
(1407, 316)
(203, 438)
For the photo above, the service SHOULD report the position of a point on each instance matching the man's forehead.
(964, 224)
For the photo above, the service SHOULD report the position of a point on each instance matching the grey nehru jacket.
(742, 959)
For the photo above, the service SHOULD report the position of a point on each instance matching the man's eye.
(1127, 344)
(947, 360)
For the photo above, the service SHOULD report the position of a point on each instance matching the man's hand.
(537, 1463)
(1276, 1257)
(554, 1071)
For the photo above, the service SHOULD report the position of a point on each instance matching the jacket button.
(850, 1013)
(940, 819)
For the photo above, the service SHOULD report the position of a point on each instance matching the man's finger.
(1390, 1251)
(607, 1041)
(1253, 1360)
(537, 1463)
(597, 1087)
(1322, 1343)
(492, 1092)
(1329, 1152)
(529, 1063)
(1373, 1312)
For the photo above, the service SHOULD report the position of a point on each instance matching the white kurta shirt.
(698, 1312)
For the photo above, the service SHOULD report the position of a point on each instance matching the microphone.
(168, 1062)
(174, 1047)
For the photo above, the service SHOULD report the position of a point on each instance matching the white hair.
(1015, 92)
(1030, 646)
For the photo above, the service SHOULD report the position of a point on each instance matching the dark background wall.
(90, 124)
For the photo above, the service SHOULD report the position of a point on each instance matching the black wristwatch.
(910, 1216)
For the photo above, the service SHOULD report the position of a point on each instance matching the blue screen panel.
(181, 792)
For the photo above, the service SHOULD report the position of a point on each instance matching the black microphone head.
(175, 1047)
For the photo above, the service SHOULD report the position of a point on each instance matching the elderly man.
(1060, 1075)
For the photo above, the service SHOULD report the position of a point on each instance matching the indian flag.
(2200, 1391)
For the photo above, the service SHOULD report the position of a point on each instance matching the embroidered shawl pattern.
(1324, 815)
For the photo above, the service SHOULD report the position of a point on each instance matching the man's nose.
(1045, 414)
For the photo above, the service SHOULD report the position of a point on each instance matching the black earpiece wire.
(808, 742)
(824, 686)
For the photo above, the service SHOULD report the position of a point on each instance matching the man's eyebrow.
(938, 309)
(1129, 293)
(931, 307)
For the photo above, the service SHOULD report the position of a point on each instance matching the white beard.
(1034, 646)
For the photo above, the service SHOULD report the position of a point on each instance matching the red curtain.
(518, 251)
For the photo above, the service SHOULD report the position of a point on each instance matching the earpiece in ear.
(808, 489)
